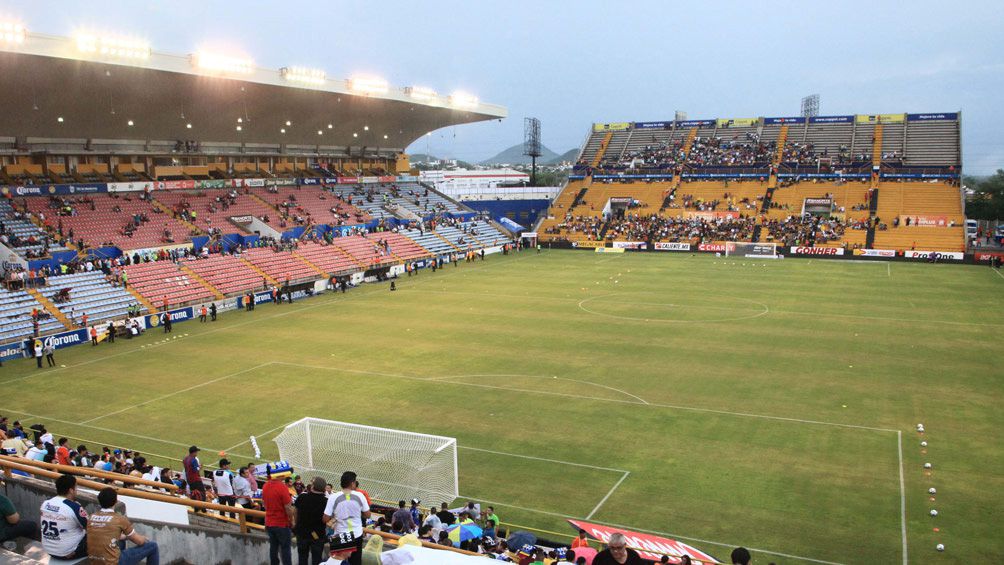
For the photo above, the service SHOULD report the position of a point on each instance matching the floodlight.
(420, 93)
(463, 100)
(12, 32)
(222, 63)
(368, 85)
(112, 46)
(303, 75)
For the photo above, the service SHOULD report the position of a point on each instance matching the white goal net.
(391, 464)
(752, 250)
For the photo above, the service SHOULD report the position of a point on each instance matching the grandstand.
(872, 171)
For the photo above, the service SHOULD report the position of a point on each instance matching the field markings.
(764, 312)
(534, 458)
(177, 392)
(902, 493)
(998, 273)
(610, 492)
(553, 377)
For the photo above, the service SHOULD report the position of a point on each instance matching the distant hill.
(514, 156)
(422, 158)
(569, 155)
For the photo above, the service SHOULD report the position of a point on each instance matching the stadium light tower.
(810, 106)
(531, 145)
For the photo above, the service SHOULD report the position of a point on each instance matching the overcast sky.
(572, 63)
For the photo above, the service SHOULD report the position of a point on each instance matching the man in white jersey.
(350, 511)
(223, 484)
(64, 522)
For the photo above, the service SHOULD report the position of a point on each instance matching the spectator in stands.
(279, 519)
(63, 522)
(12, 526)
(445, 516)
(245, 486)
(223, 484)
(310, 526)
(106, 529)
(741, 556)
(193, 474)
(402, 518)
(581, 540)
(63, 452)
(350, 511)
(617, 553)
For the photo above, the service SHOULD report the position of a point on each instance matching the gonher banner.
(887, 253)
(926, 117)
(737, 122)
(817, 251)
(653, 125)
(880, 118)
(630, 245)
(831, 119)
(648, 546)
(791, 120)
(588, 244)
(671, 246)
(612, 126)
(939, 255)
(924, 221)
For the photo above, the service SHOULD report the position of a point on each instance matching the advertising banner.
(612, 126)
(387, 179)
(928, 117)
(259, 297)
(588, 244)
(982, 257)
(369, 180)
(695, 123)
(610, 250)
(791, 120)
(129, 186)
(940, 255)
(630, 245)
(834, 251)
(880, 118)
(46, 190)
(12, 351)
(174, 185)
(885, 253)
(640, 542)
(720, 247)
(819, 202)
(671, 246)
(665, 176)
(831, 119)
(653, 125)
(924, 221)
(179, 315)
(254, 182)
(348, 180)
(308, 181)
(242, 220)
(919, 175)
(762, 175)
(712, 215)
(737, 122)
(212, 183)
(65, 339)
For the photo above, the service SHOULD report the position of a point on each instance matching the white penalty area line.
(902, 495)
(531, 457)
(609, 492)
(998, 273)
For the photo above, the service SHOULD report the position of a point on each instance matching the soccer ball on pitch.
(934, 512)
(923, 444)
(940, 547)
(927, 465)
(932, 490)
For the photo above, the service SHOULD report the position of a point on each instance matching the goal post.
(391, 464)
(751, 250)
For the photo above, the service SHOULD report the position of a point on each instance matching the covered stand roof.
(51, 90)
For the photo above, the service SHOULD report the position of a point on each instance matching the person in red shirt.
(63, 452)
(279, 520)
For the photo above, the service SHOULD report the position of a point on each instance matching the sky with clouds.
(574, 63)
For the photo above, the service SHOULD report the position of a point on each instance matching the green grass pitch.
(735, 402)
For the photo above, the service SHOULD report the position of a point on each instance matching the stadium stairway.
(198, 278)
(51, 307)
(448, 242)
(872, 209)
(603, 149)
(262, 273)
(192, 228)
(310, 264)
(876, 154)
(782, 137)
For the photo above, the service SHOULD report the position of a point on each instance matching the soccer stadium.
(238, 324)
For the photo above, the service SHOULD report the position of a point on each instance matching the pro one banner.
(656, 546)
(833, 251)
(671, 246)
(941, 255)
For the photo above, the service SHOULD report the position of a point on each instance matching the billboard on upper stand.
(612, 126)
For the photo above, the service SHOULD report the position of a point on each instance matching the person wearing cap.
(223, 484)
(279, 519)
(193, 468)
(310, 526)
(350, 511)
